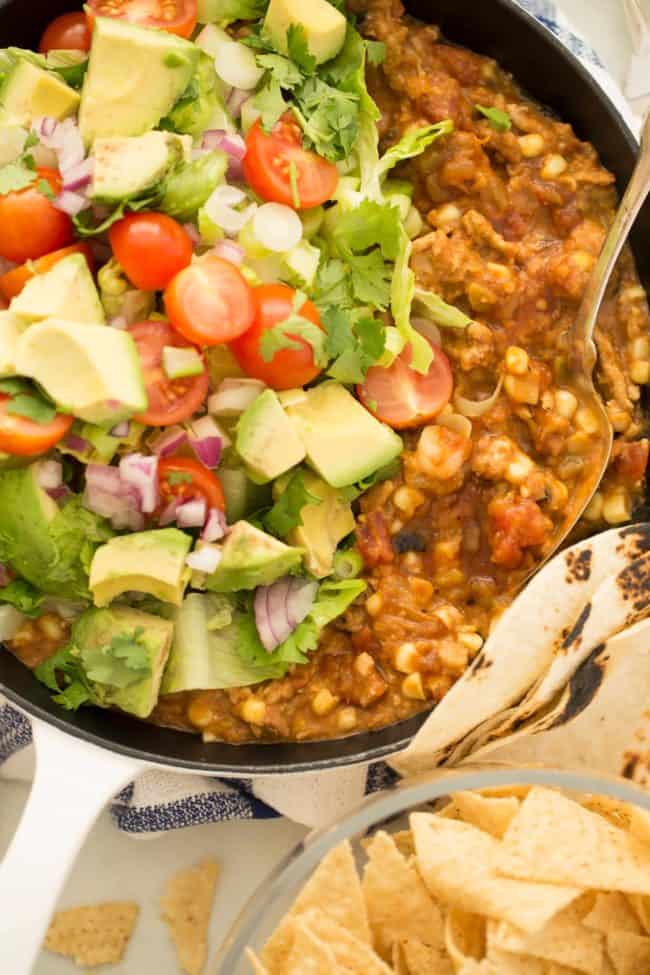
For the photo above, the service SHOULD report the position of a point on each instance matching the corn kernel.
(406, 658)
(408, 499)
(448, 615)
(445, 216)
(199, 713)
(253, 710)
(582, 260)
(422, 590)
(619, 419)
(439, 685)
(554, 166)
(396, 526)
(412, 687)
(587, 420)
(500, 272)
(453, 656)
(517, 360)
(446, 551)
(640, 372)
(559, 493)
(374, 604)
(634, 293)
(579, 443)
(347, 719)
(565, 403)
(531, 145)
(522, 389)
(640, 348)
(519, 470)
(594, 510)
(616, 508)
(452, 577)
(51, 626)
(471, 641)
(413, 561)
(323, 703)
(364, 664)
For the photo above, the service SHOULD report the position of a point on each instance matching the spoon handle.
(581, 344)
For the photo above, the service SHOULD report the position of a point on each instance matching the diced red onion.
(191, 514)
(220, 208)
(5, 577)
(142, 473)
(215, 526)
(234, 396)
(261, 610)
(169, 441)
(121, 429)
(78, 444)
(118, 321)
(234, 147)
(236, 99)
(206, 441)
(168, 515)
(46, 127)
(300, 599)
(62, 491)
(49, 474)
(228, 250)
(79, 176)
(70, 203)
(281, 607)
(192, 232)
(205, 559)
(107, 494)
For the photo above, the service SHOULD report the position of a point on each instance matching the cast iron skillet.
(555, 78)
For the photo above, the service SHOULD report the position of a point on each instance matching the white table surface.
(114, 866)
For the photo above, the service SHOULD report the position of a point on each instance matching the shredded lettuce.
(439, 311)
(401, 300)
(226, 12)
(412, 144)
(190, 185)
(23, 596)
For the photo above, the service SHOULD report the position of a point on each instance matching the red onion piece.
(169, 441)
(277, 607)
(228, 250)
(260, 608)
(215, 526)
(142, 473)
(235, 101)
(78, 444)
(192, 232)
(118, 321)
(168, 515)
(121, 429)
(280, 607)
(230, 143)
(79, 176)
(191, 514)
(70, 203)
(206, 441)
(300, 599)
(49, 474)
(107, 494)
(62, 491)
(205, 559)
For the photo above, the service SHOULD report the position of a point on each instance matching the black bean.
(408, 542)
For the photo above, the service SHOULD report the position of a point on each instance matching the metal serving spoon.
(582, 349)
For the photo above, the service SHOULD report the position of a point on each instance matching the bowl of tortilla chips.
(474, 871)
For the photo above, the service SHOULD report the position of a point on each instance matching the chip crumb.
(186, 906)
(94, 934)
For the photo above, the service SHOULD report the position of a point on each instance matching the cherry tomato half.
(279, 170)
(289, 367)
(174, 16)
(30, 226)
(13, 282)
(402, 397)
(151, 247)
(210, 302)
(203, 484)
(170, 400)
(69, 32)
(24, 437)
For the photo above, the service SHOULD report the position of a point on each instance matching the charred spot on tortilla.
(639, 535)
(579, 566)
(583, 686)
(634, 584)
(629, 765)
(573, 636)
(481, 661)
(408, 541)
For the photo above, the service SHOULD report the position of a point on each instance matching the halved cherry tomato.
(289, 367)
(210, 302)
(151, 247)
(402, 397)
(69, 32)
(174, 16)
(30, 226)
(202, 483)
(278, 168)
(24, 437)
(13, 282)
(170, 400)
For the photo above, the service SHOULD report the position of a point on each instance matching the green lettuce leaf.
(190, 185)
(70, 66)
(440, 312)
(286, 512)
(332, 600)
(402, 294)
(77, 532)
(413, 143)
(23, 596)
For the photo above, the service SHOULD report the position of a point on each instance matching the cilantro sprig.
(286, 513)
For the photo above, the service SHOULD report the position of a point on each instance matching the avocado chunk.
(66, 291)
(324, 26)
(344, 442)
(135, 76)
(266, 439)
(151, 561)
(10, 329)
(128, 166)
(50, 547)
(243, 496)
(13, 141)
(122, 653)
(90, 371)
(251, 558)
(323, 526)
(29, 92)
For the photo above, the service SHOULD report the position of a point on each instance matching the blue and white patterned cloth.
(161, 800)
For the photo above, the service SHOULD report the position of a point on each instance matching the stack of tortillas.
(564, 677)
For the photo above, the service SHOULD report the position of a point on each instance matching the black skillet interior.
(544, 68)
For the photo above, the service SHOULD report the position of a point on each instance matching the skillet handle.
(72, 783)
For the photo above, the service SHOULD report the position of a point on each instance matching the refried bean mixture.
(513, 221)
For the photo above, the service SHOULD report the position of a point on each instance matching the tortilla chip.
(554, 840)
(492, 815)
(641, 907)
(399, 962)
(186, 907)
(564, 941)
(464, 937)
(423, 959)
(403, 841)
(505, 963)
(93, 935)
(640, 824)
(349, 952)
(459, 866)
(399, 905)
(309, 955)
(629, 953)
(612, 912)
(335, 889)
(258, 967)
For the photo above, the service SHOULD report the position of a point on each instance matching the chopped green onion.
(347, 564)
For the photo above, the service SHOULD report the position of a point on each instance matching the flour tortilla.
(523, 644)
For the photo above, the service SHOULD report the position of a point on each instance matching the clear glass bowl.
(388, 810)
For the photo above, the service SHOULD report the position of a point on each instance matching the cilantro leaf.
(333, 285)
(32, 406)
(355, 346)
(285, 335)
(83, 221)
(73, 696)
(368, 225)
(376, 52)
(329, 118)
(497, 118)
(178, 477)
(23, 596)
(15, 176)
(298, 47)
(286, 512)
(123, 662)
(270, 104)
(371, 279)
(281, 70)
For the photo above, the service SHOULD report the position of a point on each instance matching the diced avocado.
(151, 561)
(122, 653)
(66, 291)
(179, 363)
(12, 142)
(29, 92)
(49, 546)
(135, 76)
(266, 439)
(251, 558)
(323, 526)
(324, 26)
(343, 441)
(90, 371)
(10, 329)
(127, 166)
(291, 397)
(211, 647)
(243, 496)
